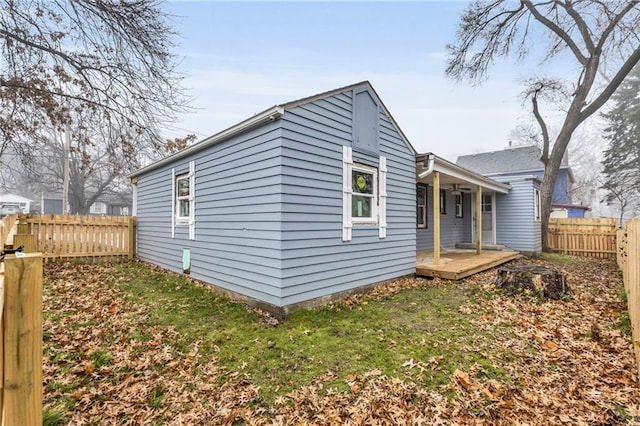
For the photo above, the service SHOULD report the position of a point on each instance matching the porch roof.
(451, 173)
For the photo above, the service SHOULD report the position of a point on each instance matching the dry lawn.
(556, 362)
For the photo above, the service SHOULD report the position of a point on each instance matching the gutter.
(459, 172)
(267, 116)
(429, 169)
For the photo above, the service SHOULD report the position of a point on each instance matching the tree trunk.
(551, 169)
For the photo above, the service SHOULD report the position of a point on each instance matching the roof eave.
(257, 120)
(444, 166)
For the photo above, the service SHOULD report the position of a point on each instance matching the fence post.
(565, 241)
(633, 272)
(23, 235)
(22, 341)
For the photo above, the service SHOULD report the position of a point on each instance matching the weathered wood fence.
(57, 236)
(583, 237)
(629, 262)
(7, 229)
(21, 340)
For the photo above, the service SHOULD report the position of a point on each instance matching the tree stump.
(534, 280)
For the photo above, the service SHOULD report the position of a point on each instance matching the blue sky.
(240, 58)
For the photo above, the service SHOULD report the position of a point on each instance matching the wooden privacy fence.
(583, 237)
(629, 263)
(7, 229)
(58, 236)
(21, 340)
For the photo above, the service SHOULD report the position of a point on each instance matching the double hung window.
(421, 206)
(459, 205)
(183, 199)
(365, 197)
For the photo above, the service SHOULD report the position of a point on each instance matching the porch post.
(436, 218)
(479, 220)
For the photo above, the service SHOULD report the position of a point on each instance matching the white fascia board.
(264, 117)
(471, 177)
(445, 167)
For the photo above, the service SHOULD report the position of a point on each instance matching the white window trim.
(173, 203)
(192, 207)
(134, 204)
(537, 208)
(460, 206)
(182, 220)
(373, 220)
(382, 198)
(347, 163)
(424, 211)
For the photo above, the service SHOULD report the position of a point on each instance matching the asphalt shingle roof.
(517, 159)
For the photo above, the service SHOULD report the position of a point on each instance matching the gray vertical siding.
(516, 227)
(315, 260)
(237, 213)
(452, 229)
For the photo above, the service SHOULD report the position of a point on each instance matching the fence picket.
(80, 236)
(583, 237)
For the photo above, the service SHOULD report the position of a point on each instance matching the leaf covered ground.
(131, 344)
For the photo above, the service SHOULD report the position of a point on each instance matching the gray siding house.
(509, 208)
(301, 202)
(315, 198)
(514, 162)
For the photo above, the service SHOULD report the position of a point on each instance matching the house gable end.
(363, 100)
(365, 136)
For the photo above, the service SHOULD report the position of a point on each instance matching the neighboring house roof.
(510, 160)
(266, 116)
(13, 198)
(432, 163)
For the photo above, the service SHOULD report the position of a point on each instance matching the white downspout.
(429, 169)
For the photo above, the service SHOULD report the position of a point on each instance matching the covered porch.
(460, 200)
(456, 264)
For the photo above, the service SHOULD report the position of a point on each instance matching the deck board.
(458, 264)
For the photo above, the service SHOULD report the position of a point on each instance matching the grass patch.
(420, 324)
(560, 258)
(100, 358)
(53, 418)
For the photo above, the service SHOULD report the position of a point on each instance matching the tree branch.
(611, 87)
(556, 30)
(614, 23)
(543, 127)
(581, 24)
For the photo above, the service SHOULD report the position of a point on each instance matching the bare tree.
(96, 168)
(108, 60)
(602, 39)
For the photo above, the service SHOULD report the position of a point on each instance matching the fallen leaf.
(550, 346)
(464, 379)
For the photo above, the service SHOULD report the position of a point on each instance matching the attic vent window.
(365, 123)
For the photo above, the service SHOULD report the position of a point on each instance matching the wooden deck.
(456, 264)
